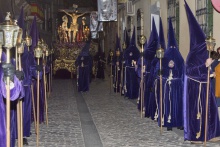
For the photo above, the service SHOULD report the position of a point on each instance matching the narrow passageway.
(96, 119)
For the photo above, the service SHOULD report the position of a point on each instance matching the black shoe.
(169, 129)
(25, 141)
(180, 128)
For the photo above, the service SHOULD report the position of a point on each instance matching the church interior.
(110, 73)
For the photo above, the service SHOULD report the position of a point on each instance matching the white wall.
(184, 40)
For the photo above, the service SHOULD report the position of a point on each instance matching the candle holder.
(210, 44)
(142, 40)
(160, 55)
(8, 36)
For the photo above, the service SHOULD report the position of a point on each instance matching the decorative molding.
(130, 8)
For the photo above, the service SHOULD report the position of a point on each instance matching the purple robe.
(28, 65)
(195, 85)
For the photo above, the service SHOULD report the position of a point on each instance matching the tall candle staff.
(117, 69)
(28, 42)
(210, 43)
(20, 50)
(38, 54)
(45, 55)
(122, 69)
(160, 55)
(111, 55)
(142, 40)
(8, 33)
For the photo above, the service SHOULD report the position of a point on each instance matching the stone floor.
(100, 119)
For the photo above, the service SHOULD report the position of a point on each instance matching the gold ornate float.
(66, 54)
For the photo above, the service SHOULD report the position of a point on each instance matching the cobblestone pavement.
(117, 121)
(64, 127)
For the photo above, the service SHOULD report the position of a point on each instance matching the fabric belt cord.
(199, 106)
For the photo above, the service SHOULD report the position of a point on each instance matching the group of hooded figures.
(24, 87)
(184, 84)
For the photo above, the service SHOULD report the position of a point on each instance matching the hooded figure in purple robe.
(34, 34)
(2, 115)
(116, 66)
(172, 84)
(100, 61)
(149, 55)
(195, 84)
(131, 57)
(126, 41)
(84, 68)
(29, 69)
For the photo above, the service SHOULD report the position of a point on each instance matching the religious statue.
(74, 24)
(65, 28)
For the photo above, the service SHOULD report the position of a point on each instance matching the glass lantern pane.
(8, 39)
(15, 35)
(1, 38)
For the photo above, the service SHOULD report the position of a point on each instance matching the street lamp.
(160, 55)
(8, 36)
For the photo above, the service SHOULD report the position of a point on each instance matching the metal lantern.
(111, 53)
(43, 45)
(210, 43)
(19, 38)
(142, 39)
(124, 46)
(38, 51)
(52, 51)
(160, 53)
(117, 53)
(28, 40)
(9, 32)
(47, 52)
(20, 48)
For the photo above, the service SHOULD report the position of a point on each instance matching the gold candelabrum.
(8, 38)
(142, 40)
(160, 56)
(210, 44)
(38, 53)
